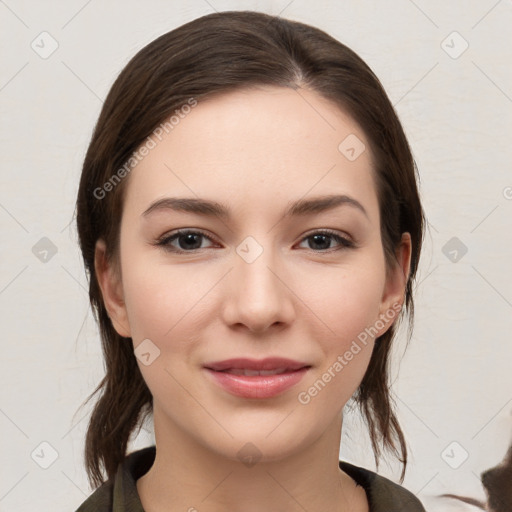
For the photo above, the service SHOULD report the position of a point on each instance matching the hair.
(215, 54)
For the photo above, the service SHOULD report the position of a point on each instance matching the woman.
(249, 218)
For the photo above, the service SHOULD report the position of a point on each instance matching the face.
(268, 278)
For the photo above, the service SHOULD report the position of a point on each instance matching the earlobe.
(111, 290)
(396, 282)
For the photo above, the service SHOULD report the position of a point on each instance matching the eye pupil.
(189, 237)
(318, 238)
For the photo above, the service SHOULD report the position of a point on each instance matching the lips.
(252, 373)
(250, 378)
(270, 364)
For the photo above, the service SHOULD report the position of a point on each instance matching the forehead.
(257, 147)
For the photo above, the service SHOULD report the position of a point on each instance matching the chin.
(253, 445)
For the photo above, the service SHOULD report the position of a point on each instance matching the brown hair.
(214, 54)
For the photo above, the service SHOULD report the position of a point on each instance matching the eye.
(323, 239)
(188, 241)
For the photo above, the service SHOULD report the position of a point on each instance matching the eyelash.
(166, 239)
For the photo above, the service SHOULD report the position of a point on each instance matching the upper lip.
(270, 363)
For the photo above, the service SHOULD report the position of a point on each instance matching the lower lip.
(257, 386)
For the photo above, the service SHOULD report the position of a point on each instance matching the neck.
(188, 476)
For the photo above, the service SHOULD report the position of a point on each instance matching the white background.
(454, 381)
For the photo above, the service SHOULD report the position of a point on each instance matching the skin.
(255, 151)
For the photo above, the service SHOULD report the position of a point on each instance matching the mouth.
(270, 364)
(250, 378)
(252, 373)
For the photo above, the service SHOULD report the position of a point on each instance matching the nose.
(259, 293)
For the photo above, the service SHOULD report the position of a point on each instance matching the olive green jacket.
(120, 495)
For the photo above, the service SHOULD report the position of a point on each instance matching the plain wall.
(452, 384)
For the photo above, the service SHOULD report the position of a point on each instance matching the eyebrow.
(210, 208)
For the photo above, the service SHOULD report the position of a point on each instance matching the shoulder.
(100, 500)
(383, 494)
(120, 493)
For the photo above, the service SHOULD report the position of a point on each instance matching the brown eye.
(321, 241)
(187, 241)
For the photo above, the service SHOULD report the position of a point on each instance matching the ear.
(396, 281)
(111, 287)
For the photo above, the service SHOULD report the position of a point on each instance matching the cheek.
(347, 305)
(162, 306)
(346, 300)
(347, 349)
(161, 300)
